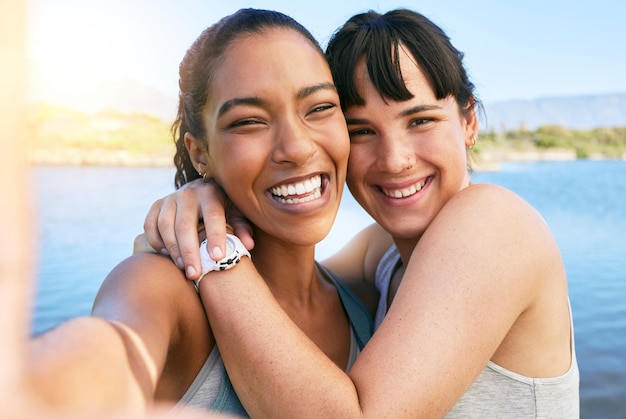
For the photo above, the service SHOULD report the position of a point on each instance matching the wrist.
(235, 250)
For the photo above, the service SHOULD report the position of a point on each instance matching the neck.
(288, 269)
(405, 248)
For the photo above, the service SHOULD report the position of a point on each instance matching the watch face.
(234, 252)
(230, 246)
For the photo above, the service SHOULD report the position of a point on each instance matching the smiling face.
(277, 139)
(407, 158)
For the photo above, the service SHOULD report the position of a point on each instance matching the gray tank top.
(212, 390)
(498, 392)
(206, 390)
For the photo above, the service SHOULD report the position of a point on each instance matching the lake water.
(90, 216)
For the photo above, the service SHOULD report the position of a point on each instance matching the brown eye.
(321, 108)
(420, 121)
(244, 122)
(362, 131)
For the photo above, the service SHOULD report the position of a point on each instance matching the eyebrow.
(406, 112)
(257, 101)
(308, 91)
(229, 104)
(418, 109)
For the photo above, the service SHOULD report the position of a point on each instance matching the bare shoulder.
(488, 194)
(491, 225)
(140, 284)
(161, 320)
(145, 270)
(492, 205)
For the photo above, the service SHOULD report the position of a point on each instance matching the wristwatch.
(235, 250)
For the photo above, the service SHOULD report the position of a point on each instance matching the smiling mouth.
(405, 192)
(299, 192)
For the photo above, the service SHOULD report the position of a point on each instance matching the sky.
(513, 50)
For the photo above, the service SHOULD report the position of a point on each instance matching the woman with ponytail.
(279, 147)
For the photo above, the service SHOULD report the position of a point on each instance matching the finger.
(241, 225)
(151, 228)
(166, 225)
(186, 231)
(141, 245)
(212, 201)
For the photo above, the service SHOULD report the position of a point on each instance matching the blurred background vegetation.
(59, 135)
(589, 143)
(62, 136)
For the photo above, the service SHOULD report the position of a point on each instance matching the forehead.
(273, 61)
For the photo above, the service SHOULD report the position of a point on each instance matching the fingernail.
(180, 263)
(165, 252)
(191, 272)
(216, 253)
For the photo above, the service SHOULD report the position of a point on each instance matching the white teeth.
(307, 198)
(310, 188)
(403, 193)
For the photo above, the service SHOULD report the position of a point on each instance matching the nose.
(395, 154)
(294, 142)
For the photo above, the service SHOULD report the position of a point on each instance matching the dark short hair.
(376, 38)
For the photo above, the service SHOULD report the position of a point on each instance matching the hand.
(171, 225)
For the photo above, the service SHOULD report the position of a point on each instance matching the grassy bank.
(61, 136)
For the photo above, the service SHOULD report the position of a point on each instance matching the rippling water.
(90, 216)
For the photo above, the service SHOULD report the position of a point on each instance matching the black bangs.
(375, 43)
(382, 58)
(379, 40)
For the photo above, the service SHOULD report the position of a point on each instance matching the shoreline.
(487, 160)
(81, 157)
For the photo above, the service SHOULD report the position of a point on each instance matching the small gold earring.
(473, 142)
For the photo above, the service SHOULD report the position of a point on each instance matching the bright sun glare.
(75, 44)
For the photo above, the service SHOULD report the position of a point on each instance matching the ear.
(471, 125)
(197, 152)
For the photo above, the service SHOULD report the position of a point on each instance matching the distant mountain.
(573, 112)
(90, 94)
